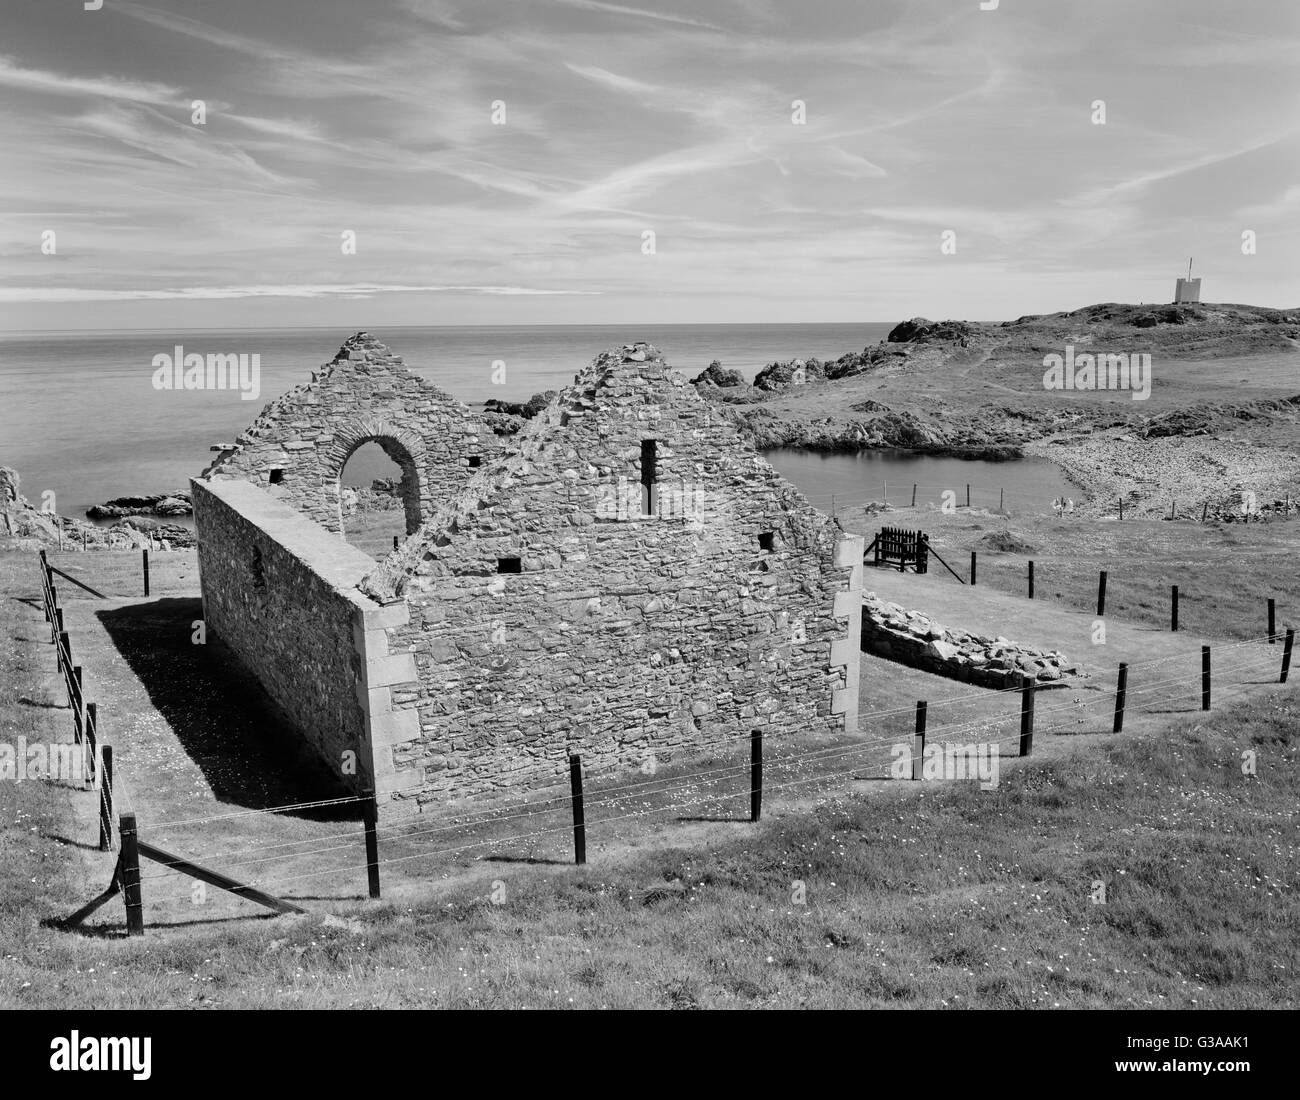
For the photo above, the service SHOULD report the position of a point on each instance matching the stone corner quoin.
(624, 578)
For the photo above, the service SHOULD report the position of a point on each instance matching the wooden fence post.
(1121, 694)
(914, 494)
(106, 799)
(78, 716)
(145, 552)
(918, 743)
(370, 810)
(1121, 509)
(1101, 594)
(1287, 643)
(1027, 716)
(968, 494)
(91, 752)
(1272, 621)
(1001, 498)
(1173, 610)
(972, 567)
(579, 820)
(1031, 580)
(755, 774)
(1205, 677)
(131, 875)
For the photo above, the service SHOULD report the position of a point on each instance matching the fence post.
(1121, 693)
(58, 629)
(1205, 677)
(914, 494)
(78, 717)
(968, 494)
(370, 810)
(92, 743)
(106, 800)
(1001, 497)
(579, 820)
(1173, 610)
(918, 744)
(1205, 508)
(1031, 580)
(131, 875)
(1272, 621)
(972, 567)
(1287, 643)
(1101, 594)
(1121, 509)
(145, 552)
(1027, 716)
(755, 774)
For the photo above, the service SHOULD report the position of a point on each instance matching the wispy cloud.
(673, 117)
(209, 293)
(49, 82)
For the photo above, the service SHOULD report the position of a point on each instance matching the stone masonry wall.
(299, 444)
(622, 636)
(913, 639)
(282, 594)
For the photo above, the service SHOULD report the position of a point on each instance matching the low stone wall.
(281, 592)
(913, 639)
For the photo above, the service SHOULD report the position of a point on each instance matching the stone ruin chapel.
(625, 577)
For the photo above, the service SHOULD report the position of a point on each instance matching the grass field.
(1143, 870)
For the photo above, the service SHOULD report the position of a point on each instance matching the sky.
(502, 161)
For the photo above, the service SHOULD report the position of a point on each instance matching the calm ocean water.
(79, 414)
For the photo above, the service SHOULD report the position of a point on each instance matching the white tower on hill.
(1189, 289)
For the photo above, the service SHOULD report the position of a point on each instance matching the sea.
(80, 415)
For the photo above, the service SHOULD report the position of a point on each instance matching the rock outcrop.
(23, 527)
(914, 639)
(716, 375)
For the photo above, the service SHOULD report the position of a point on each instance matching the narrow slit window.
(767, 541)
(510, 565)
(649, 472)
(277, 476)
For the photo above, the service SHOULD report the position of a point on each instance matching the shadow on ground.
(225, 722)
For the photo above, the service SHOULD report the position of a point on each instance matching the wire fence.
(1171, 682)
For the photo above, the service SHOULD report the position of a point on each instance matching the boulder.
(716, 375)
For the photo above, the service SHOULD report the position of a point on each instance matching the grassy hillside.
(867, 894)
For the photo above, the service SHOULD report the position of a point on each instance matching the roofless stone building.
(627, 578)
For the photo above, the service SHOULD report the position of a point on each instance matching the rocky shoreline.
(24, 527)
